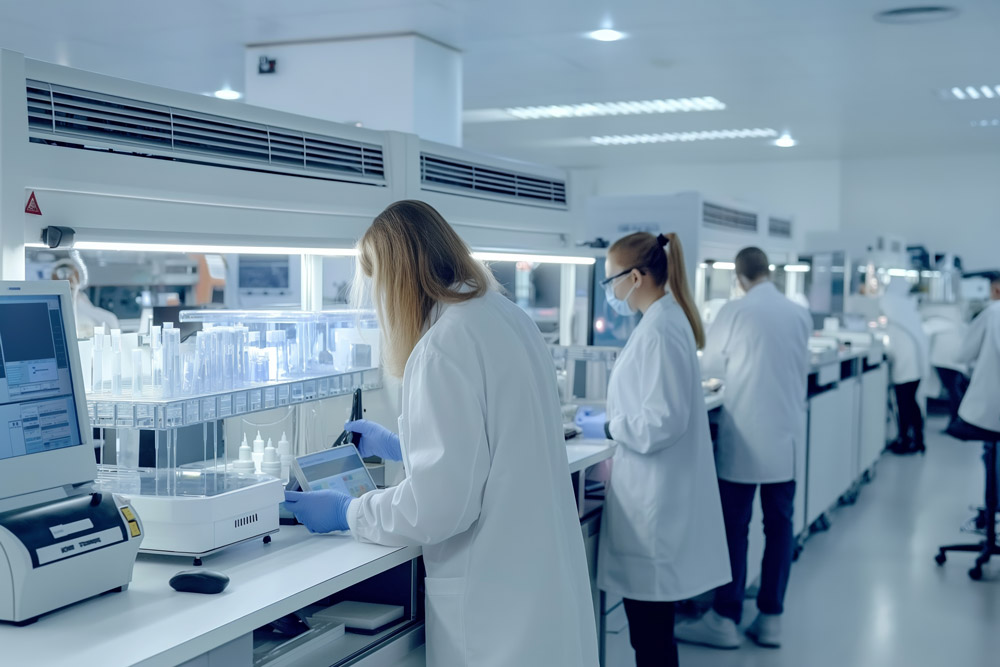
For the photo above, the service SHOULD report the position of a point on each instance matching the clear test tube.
(98, 363)
(156, 361)
(278, 353)
(173, 336)
(137, 373)
(116, 362)
(228, 358)
(203, 362)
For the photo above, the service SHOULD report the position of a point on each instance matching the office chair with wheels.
(988, 547)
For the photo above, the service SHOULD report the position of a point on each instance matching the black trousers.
(651, 631)
(956, 385)
(911, 420)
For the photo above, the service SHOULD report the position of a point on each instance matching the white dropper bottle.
(258, 451)
(285, 456)
(245, 462)
(271, 465)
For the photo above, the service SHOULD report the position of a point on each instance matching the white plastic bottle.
(258, 451)
(245, 462)
(285, 456)
(271, 465)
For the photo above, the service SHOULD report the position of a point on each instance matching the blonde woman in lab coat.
(487, 492)
(662, 536)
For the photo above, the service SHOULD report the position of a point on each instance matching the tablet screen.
(339, 468)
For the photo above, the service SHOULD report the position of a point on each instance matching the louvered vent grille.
(477, 180)
(83, 119)
(244, 521)
(728, 218)
(779, 228)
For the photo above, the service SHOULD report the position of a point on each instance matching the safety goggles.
(611, 279)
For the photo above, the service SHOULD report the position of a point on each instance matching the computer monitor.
(45, 438)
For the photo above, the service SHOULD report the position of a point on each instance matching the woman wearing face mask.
(662, 536)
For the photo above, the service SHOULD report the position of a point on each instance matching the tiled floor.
(868, 593)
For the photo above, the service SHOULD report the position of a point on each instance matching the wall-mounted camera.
(58, 237)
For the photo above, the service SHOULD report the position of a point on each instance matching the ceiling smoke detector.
(918, 14)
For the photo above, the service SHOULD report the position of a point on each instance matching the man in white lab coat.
(759, 346)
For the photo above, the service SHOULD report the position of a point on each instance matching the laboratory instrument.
(239, 363)
(61, 541)
(337, 468)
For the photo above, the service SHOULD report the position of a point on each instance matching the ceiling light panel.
(973, 93)
(683, 137)
(591, 109)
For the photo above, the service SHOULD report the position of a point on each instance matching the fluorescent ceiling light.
(670, 137)
(591, 109)
(606, 35)
(797, 268)
(974, 92)
(986, 122)
(785, 141)
(214, 249)
(898, 273)
(227, 94)
(534, 259)
(724, 265)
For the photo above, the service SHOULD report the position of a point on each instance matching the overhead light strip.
(297, 250)
(671, 137)
(533, 259)
(214, 249)
(593, 109)
(974, 93)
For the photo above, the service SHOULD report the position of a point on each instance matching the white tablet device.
(339, 468)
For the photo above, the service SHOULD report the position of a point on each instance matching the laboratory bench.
(153, 625)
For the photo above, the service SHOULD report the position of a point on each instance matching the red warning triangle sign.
(32, 206)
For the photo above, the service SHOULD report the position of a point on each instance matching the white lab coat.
(909, 347)
(662, 533)
(488, 495)
(759, 346)
(981, 405)
(89, 316)
(946, 339)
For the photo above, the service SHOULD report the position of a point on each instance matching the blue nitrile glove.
(376, 440)
(592, 423)
(319, 511)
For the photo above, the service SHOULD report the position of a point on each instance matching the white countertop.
(585, 453)
(151, 624)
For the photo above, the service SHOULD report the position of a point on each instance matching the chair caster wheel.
(940, 559)
(976, 573)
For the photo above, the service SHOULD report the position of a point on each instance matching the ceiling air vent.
(474, 180)
(75, 118)
(779, 228)
(721, 217)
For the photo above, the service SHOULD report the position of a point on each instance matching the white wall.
(807, 190)
(945, 203)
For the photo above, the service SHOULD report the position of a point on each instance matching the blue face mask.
(620, 306)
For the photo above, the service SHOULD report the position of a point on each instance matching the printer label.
(79, 545)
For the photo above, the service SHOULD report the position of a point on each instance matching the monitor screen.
(37, 403)
(339, 468)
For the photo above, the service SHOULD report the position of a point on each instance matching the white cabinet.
(874, 390)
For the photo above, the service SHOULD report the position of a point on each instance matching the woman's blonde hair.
(662, 258)
(415, 260)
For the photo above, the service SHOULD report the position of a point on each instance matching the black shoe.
(903, 448)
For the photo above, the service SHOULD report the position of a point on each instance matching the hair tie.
(662, 240)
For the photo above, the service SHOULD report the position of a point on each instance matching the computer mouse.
(199, 581)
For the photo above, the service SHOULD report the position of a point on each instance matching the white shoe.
(709, 630)
(766, 630)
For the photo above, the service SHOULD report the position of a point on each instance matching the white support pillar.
(406, 83)
(311, 277)
(13, 142)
